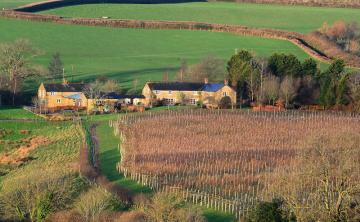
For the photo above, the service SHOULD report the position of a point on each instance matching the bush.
(35, 195)
(225, 103)
(169, 207)
(95, 202)
(268, 212)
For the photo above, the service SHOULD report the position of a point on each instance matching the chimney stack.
(206, 80)
(226, 82)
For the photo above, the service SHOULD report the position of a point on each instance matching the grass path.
(293, 18)
(109, 157)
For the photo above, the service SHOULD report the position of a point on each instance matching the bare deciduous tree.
(288, 89)
(322, 184)
(15, 63)
(211, 68)
(271, 89)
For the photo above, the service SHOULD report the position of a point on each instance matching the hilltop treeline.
(324, 3)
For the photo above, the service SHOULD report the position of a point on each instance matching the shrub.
(95, 202)
(34, 196)
(225, 102)
(169, 207)
(268, 212)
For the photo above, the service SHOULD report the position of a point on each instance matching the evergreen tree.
(282, 65)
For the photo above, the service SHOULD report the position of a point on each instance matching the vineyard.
(224, 160)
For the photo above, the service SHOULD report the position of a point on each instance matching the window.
(53, 93)
(58, 100)
(169, 101)
(225, 94)
(100, 102)
(170, 92)
(192, 101)
(156, 92)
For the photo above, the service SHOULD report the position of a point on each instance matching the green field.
(61, 152)
(128, 54)
(294, 18)
(16, 113)
(15, 3)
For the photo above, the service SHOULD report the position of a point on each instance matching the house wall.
(196, 95)
(57, 99)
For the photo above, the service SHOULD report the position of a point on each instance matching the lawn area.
(129, 54)
(16, 113)
(293, 18)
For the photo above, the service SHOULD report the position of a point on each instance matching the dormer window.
(170, 92)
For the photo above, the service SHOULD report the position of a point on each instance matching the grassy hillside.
(16, 113)
(294, 18)
(128, 54)
(15, 3)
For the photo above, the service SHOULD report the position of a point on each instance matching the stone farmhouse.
(60, 96)
(190, 93)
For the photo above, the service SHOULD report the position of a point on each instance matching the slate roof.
(76, 96)
(186, 86)
(212, 87)
(59, 87)
(114, 95)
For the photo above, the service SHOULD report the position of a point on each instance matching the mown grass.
(128, 54)
(109, 157)
(12, 113)
(293, 18)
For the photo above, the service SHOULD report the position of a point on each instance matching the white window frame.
(53, 93)
(225, 94)
(170, 92)
(156, 91)
(58, 100)
(192, 101)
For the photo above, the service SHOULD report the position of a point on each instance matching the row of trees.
(284, 77)
(279, 77)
